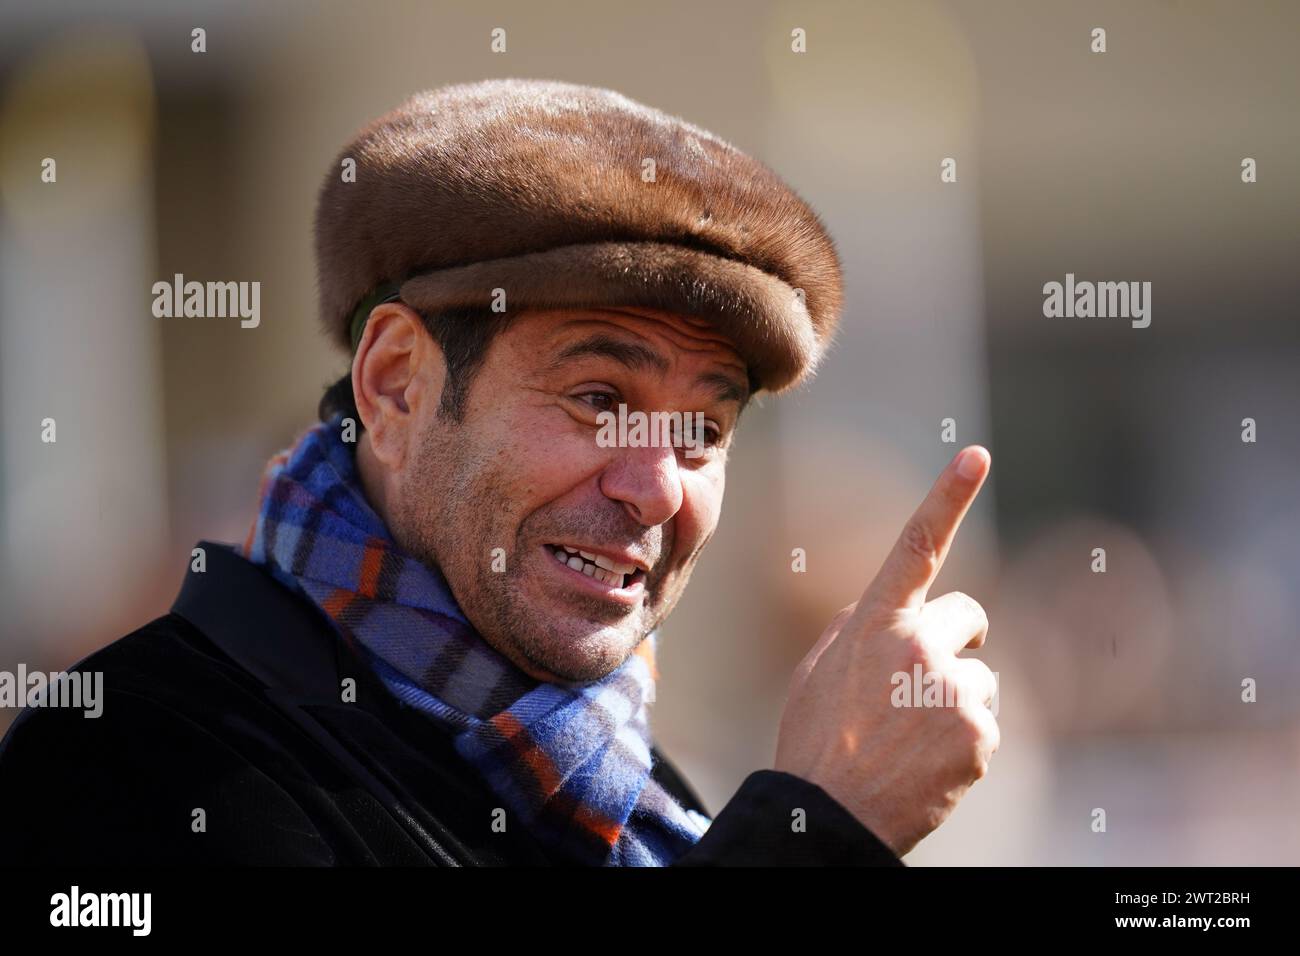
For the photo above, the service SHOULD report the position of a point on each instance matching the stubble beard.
(446, 523)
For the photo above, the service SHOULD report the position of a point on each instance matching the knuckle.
(985, 679)
(914, 650)
(839, 620)
(971, 728)
(969, 694)
(971, 607)
(918, 542)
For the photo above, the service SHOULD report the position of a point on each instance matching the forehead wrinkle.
(672, 324)
(695, 326)
(698, 335)
(684, 340)
(640, 356)
(634, 355)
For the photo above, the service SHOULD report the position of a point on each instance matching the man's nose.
(647, 481)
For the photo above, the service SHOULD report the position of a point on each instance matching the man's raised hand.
(901, 770)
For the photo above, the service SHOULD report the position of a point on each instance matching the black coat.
(232, 704)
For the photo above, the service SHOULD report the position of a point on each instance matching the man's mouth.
(615, 572)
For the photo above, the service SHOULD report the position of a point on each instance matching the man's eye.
(601, 401)
(710, 434)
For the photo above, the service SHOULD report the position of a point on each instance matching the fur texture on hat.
(536, 187)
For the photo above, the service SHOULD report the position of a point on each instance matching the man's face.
(524, 472)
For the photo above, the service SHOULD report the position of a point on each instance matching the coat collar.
(274, 634)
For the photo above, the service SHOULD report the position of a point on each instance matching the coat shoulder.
(170, 757)
(159, 680)
(165, 665)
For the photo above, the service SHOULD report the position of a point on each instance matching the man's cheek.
(553, 460)
(699, 515)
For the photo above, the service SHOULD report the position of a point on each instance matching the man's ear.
(397, 378)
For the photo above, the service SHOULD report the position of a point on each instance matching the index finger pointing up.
(919, 553)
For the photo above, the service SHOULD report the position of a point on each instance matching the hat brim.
(760, 313)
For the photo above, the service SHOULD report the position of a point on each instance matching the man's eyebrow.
(640, 358)
(635, 356)
(727, 388)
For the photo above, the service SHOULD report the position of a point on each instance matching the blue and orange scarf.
(573, 765)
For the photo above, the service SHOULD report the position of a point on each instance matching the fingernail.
(970, 463)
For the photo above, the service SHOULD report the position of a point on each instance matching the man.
(436, 645)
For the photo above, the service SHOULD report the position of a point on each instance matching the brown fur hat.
(536, 187)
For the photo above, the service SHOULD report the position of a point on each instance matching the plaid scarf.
(571, 764)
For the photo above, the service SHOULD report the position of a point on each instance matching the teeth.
(614, 566)
(588, 555)
(611, 572)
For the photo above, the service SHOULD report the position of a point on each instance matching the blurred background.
(1119, 690)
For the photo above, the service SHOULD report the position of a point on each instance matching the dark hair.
(463, 334)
